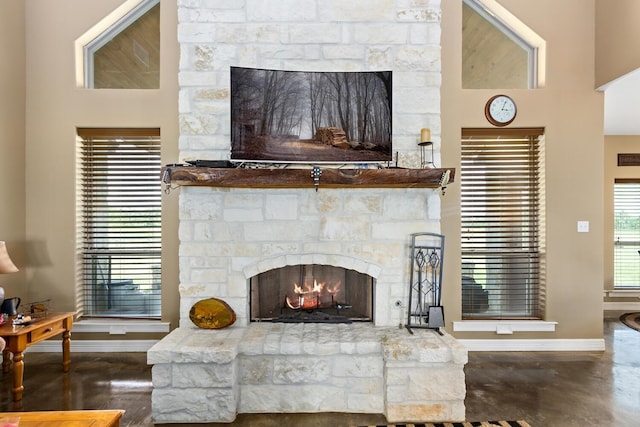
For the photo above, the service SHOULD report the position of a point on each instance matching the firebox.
(311, 293)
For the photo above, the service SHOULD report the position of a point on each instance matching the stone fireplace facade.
(229, 235)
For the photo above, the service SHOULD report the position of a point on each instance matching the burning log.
(332, 136)
(312, 297)
(311, 302)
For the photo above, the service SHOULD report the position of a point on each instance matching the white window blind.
(502, 237)
(626, 234)
(119, 209)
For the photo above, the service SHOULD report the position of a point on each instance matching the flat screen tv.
(310, 117)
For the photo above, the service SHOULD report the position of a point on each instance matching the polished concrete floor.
(546, 389)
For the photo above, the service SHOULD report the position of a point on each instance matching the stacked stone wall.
(225, 233)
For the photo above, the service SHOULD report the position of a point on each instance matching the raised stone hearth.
(212, 375)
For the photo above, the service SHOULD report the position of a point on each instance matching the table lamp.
(6, 266)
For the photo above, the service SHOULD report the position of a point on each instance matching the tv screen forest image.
(300, 116)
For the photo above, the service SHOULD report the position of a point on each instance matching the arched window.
(127, 54)
(498, 51)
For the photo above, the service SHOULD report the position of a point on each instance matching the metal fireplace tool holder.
(425, 288)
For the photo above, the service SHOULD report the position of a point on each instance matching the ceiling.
(621, 112)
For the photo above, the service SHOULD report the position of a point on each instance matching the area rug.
(519, 423)
(632, 320)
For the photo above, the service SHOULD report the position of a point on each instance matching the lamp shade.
(6, 265)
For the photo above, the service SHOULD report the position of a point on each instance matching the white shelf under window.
(120, 326)
(504, 327)
(622, 293)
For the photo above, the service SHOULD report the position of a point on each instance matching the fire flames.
(320, 295)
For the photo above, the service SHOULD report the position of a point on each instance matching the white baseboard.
(534, 344)
(94, 346)
(111, 346)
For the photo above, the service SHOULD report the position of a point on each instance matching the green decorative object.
(212, 313)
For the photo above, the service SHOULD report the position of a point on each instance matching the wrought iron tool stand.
(425, 288)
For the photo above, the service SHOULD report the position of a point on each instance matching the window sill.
(622, 293)
(120, 326)
(504, 327)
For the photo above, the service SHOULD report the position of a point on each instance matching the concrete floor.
(560, 388)
(546, 389)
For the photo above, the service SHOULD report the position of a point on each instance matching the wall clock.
(500, 110)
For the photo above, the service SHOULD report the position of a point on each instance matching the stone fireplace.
(236, 242)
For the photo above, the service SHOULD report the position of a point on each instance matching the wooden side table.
(109, 418)
(19, 337)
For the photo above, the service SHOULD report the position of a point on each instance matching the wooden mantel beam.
(304, 178)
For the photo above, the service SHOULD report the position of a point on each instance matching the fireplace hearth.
(203, 376)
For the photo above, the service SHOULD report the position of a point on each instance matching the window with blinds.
(501, 224)
(119, 235)
(626, 252)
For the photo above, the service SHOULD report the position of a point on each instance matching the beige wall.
(617, 35)
(614, 145)
(12, 131)
(55, 107)
(568, 107)
(572, 113)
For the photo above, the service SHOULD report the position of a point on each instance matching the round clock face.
(500, 110)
